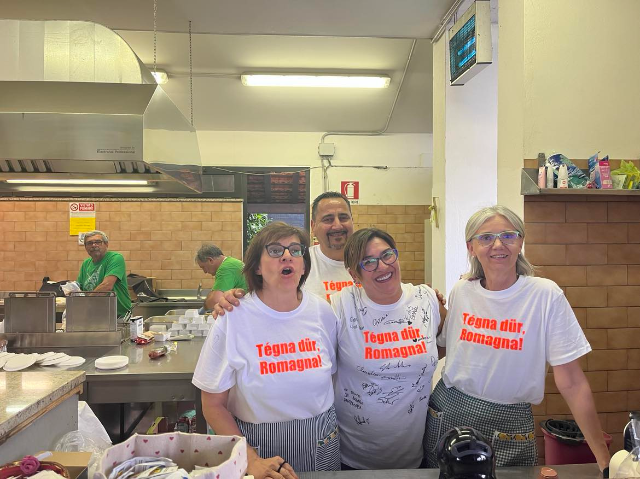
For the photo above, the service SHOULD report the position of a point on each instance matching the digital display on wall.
(462, 49)
(470, 49)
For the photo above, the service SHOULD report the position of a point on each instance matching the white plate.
(20, 361)
(53, 355)
(53, 360)
(6, 358)
(112, 362)
(44, 356)
(4, 353)
(72, 362)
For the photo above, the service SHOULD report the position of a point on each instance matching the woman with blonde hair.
(503, 326)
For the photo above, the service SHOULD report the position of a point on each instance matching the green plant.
(255, 222)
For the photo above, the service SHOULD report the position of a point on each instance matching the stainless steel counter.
(574, 471)
(158, 308)
(144, 380)
(167, 379)
(177, 365)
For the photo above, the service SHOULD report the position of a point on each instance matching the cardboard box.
(75, 462)
(136, 327)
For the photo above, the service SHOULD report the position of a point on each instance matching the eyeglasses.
(93, 243)
(276, 250)
(506, 237)
(388, 256)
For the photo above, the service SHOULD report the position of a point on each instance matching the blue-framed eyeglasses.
(276, 250)
(506, 237)
(388, 256)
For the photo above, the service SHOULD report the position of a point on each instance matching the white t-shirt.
(327, 275)
(498, 342)
(278, 366)
(387, 355)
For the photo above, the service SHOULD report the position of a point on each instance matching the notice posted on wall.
(82, 218)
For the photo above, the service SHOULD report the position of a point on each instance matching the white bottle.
(563, 177)
(549, 176)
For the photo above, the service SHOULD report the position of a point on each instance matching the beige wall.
(511, 94)
(160, 238)
(156, 238)
(406, 181)
(590, 246)
(580, 77)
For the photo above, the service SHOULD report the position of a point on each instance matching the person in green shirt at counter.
(227, 272)
(104, 270)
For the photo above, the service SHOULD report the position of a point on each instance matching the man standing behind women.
(386, 357)
(332, 225)
(265, 368)
(503, 327)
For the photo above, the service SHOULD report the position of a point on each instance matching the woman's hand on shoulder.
(441, 299)
(263, 468)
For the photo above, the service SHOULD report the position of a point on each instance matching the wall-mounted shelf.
(529, 186)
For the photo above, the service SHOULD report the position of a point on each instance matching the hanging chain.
(155, 34)
(190, 74)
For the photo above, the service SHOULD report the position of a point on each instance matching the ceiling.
(230, 37)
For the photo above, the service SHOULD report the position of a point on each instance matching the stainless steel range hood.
(74, 98)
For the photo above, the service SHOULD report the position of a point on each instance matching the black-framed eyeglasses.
(276, 250)
(388, 256)
(93, 243)
(506, 237)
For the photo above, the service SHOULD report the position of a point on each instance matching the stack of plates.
(112, 362)
(72, 362)
(17, 362)
(54, 359)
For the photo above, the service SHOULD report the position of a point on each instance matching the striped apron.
(509, 427)
(307, 444)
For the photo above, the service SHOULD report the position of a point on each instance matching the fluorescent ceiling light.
(160, 76)
(323, 81)
(77, 182)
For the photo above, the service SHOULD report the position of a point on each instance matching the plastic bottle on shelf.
(563, 177)
(550, 178)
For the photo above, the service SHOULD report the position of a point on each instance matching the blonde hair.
(523, 266)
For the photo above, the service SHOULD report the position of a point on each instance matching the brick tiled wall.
(160, 238)
(156, 238)
(406, 225)
(590, 246)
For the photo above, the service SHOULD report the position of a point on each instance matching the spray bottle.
(563, 177)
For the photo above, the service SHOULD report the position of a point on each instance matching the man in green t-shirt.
(227, 271)
(104, 270)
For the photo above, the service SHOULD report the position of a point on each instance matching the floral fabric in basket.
(225, 455)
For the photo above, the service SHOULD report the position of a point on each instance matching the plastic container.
(563, 177)
(565, 444)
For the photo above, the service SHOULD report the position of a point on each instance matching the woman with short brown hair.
(265, 368)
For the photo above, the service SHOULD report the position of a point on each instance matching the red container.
(557, 452)
(13, 469)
